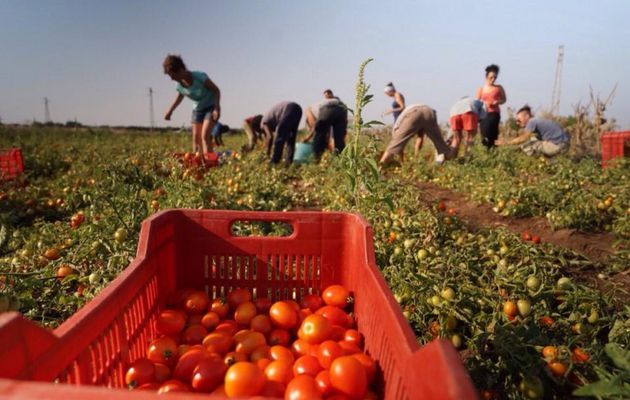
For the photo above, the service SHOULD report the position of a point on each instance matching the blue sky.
(95, 60)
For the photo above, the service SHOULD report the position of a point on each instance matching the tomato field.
(530, 316)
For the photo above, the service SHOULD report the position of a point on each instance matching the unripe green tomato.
(503, 250)
(448, 293)
(397, 251)
(120, 235)
(94, 278)
(532, 388)
(564, 283)
(408, 243)
(524, 307)
(456, 340)
(436, 301)
(533, 283)
(422, 254)
(593, 317)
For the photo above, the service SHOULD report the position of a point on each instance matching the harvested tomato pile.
(246, 347)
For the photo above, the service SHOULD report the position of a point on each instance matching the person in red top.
(493, 96)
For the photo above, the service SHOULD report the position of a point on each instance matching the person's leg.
(197, 140)
(431, 128)
(269, 143)
(206, 134)
(490, 129)
(418, 145)
(320, 140)
(405, 128)
(294, 124)
(339, 127)
(532, 147)
(550, 149)
(469, 141)
(281, 136)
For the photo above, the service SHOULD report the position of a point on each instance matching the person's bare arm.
(522, 138)
(173, 106)
(216, 113)
(503, 98)
(400, 99)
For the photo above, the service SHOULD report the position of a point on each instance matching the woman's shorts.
(198, 116)
(467, 122)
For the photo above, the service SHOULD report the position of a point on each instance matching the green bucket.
(303, 153)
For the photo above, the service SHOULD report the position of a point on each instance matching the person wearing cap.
(538, 136)
(253, 130)
(416, 120)
(464, 116)
(280, 125)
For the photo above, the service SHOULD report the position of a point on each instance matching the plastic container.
(11, 164)
(614, 144)
(192, 248)
(189, 159)
(303, 153)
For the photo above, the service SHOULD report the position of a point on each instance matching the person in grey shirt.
(281, 125)
(538, 136)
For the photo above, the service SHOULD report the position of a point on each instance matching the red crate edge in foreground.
(11, 163)
(195, 248)
(614, 144)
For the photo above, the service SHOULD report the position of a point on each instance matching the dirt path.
(594, 246)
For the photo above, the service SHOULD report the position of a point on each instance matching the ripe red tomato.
(536, 239)
(353, 336)
(228, 326)
(348, 376)
(510, 309)
(281, 353)
(308, 365)
(279, 371)
(335, 315)
(323, 383)
(303, 387)
(336, 295)
(163, 350)
(349, 348)
(173, 386)
(263, 304)
(162, 372)
(245, 312)
(220, 307)
(283, 315)
(244, 379)
(369, 364)
(238, 296)
(210, 320)
(196, 302)
(300, 347)
(526, 236)
(188, 361)
(579, 356)
(194, 334)
(171, 322)
(218, 342)
(208, 374)
(250, 341)
(140, 372)
(327, 352)
(261, 323)
(311, 301)
(315, 329)
(233, 357)
(279, 336)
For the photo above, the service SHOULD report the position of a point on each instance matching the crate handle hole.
(261, 228)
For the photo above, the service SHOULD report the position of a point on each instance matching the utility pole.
(151, 109)
(46, 110)
(555, 96)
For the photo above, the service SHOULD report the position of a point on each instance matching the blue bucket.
(303, 153)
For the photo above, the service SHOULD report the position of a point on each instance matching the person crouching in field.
(283, 119)
(465, 115)
(539, 136)
(205, 95)
(416, 120)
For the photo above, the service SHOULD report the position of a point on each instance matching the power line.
(557, 84)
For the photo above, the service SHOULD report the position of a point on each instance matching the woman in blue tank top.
(398, 105)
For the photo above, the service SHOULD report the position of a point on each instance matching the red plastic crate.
(193, 248)
(614, 144)
(11, 165)
(212, 160)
